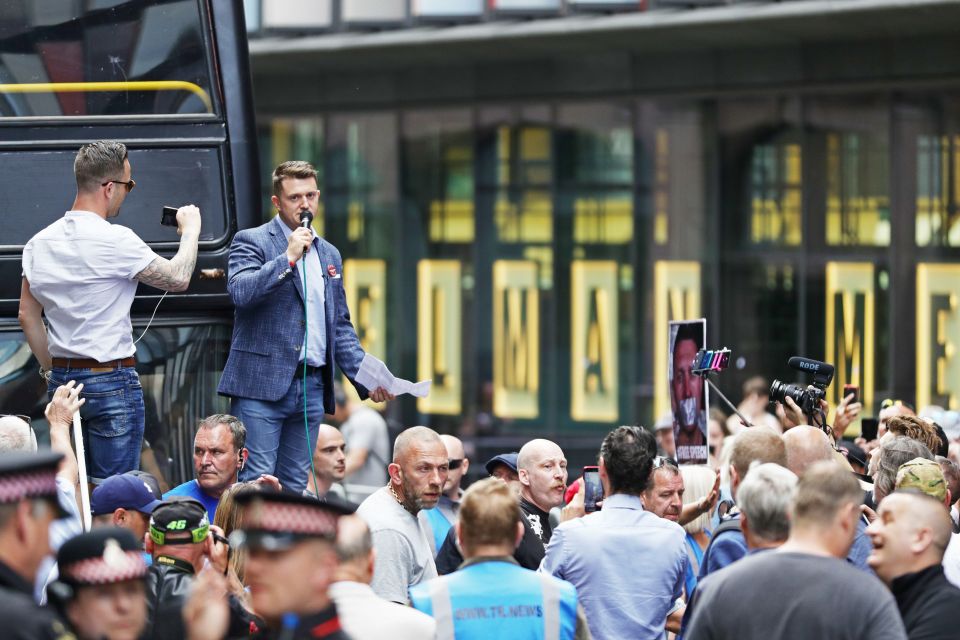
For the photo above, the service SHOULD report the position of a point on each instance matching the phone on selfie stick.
(592, 489)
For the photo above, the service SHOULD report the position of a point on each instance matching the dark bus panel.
(170, 79)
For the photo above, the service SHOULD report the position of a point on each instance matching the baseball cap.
(123, 491)
(276, 521)
(179, 520)
(925, 475)
(102, 556)
(149, 478)
(30, 475)
(509, 459)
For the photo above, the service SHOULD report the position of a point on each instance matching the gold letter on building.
(516, 339)
(676, 296)
(594, 343)
(438, 335)
(850, 317)
(938, 333)
(365, 286)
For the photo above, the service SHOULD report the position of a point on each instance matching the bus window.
(114, 58)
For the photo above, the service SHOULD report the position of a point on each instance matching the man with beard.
(686, 396)
(81, 273)
(444, 516)
(542, 469)
(417, 475)
(329, 464)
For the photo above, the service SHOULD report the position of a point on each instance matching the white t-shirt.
(83, 270)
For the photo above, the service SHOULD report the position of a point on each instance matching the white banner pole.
(82, 470)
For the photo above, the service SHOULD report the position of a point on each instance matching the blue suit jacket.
(268, 324)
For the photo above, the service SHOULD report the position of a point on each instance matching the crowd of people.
(805, 547)
(791, 531)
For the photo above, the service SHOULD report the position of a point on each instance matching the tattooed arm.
(174, 274)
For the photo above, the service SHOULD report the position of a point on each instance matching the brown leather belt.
(88, 363)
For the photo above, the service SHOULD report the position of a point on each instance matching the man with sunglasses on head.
(444, 515)
(82, 272)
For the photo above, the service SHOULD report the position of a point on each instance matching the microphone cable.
(306, 335)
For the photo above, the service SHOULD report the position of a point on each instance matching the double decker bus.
(170, 79)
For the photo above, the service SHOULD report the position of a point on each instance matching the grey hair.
(237, 431)
(893, 453)
(98, 162)
(765, 496)
(16, 435)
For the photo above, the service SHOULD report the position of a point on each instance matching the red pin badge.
(332, 270)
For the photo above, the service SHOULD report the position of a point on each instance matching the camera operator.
(81, 273)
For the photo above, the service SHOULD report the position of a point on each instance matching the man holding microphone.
(82, 273)
(291, 324)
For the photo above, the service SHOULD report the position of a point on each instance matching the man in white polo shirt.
(82, 273)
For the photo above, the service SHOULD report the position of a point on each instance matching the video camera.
(807, 398)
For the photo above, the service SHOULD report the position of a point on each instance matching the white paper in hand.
(374, 373)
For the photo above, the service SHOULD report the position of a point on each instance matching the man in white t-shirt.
(82, 273)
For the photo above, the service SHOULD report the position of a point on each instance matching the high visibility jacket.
(495, 597)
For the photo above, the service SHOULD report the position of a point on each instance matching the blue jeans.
(111, 418)
(276, 435)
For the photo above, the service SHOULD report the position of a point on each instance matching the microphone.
(306, 218)
(813, 366)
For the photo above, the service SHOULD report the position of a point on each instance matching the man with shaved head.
(910, 534)
(542, 469)
(329, 464)
(444, 516)
(417, 476)
(806, 446)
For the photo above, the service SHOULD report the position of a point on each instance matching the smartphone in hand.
(592, 489)
(854, 389)
(169, 217)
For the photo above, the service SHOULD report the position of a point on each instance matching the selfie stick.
(705, 374)
(82, 471)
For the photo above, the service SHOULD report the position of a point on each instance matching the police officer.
(290, 541)
(491, 595)
(28, 504)
(100, 590)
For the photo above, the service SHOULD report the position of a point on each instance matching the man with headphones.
(219, 453)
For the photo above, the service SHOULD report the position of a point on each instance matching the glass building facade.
(527, 256)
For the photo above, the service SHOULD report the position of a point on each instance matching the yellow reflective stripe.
(134, 85)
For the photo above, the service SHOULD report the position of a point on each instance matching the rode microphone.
(822, 372)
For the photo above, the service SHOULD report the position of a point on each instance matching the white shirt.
(951, 560)
(83, 270)
(365, 616)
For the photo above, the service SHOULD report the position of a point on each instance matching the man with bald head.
(329, 464)
(417, 476)
(444, 516)
(806, 446)
(16, 435)
(910, 534)
(542, 468)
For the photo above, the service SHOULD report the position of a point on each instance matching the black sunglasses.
(129, 184)
(455, 463)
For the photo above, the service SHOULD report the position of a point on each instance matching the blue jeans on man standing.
(111, 418)
(277, 442)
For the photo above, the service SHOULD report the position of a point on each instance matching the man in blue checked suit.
(273, 349)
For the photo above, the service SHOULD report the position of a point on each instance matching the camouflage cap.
(924, 475)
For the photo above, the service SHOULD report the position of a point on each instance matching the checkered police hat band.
(29, 484)
(281, 517)
(108, 569)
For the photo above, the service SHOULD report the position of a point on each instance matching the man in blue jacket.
(291, 325)
(491, 595)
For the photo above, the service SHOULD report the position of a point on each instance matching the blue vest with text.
(498, 598)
